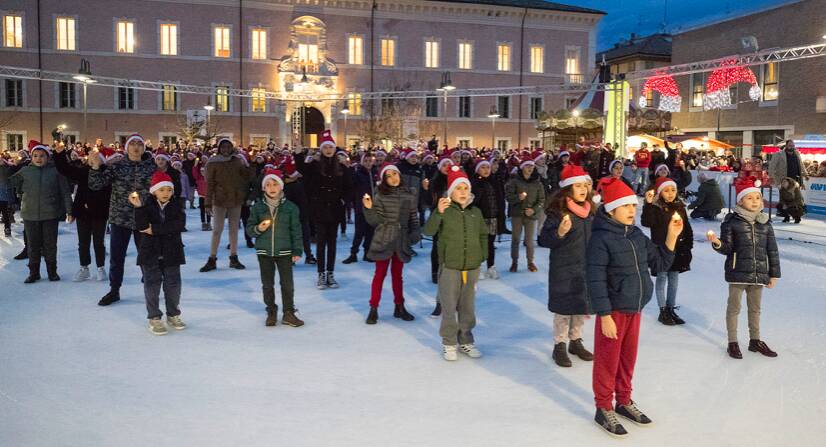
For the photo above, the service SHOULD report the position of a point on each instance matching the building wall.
(409, 21)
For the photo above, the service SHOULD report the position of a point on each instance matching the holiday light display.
(666, 86)
(717, 87)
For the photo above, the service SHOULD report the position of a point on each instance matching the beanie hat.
(573, 174)
(35, 145)
(747, 186)
(615, 193)
(662, 183)
(388, 167)
(455, 177)
(272, 174)
(159, 180)
(480, 164)
(326, 139)
(134, 137)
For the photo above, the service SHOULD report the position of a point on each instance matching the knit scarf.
(579, 210)
(272, 204)
(752, 216)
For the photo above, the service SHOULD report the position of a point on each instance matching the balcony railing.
(571, 78)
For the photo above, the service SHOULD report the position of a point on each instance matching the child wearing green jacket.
(462, 246)
(275, 225)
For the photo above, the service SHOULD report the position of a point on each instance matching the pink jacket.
(200, 180)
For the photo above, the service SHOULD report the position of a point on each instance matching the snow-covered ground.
(75, 374)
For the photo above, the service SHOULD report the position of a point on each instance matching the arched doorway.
(308, 123)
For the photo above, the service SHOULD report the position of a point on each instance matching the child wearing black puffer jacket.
(752, 262)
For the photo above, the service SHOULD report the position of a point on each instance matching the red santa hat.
(381, 151)
(326, 139)
(747, 186)
(388, 167)
(136, 138)
(35, 145)
(407, 153)
(662, 183)
(479, 164)
(526, 161)
(573, 174)
(162, 155)
(428, 156)
(159, 180)
(615, 193)
(272, 174)
(538, 154)
(445, 161)
(455, 177)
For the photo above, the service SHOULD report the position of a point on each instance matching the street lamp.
(84, 75)
(493, 115)
(209, 108)
(445, 87)
(576, 126)
(345, 111)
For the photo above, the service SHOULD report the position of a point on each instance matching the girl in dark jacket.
(328, 184)
(566, 232)
(437, 187)
(395, 217)
(485, 198)
(662, 204)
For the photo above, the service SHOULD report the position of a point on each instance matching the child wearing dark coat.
(618, 257)
(161, 252)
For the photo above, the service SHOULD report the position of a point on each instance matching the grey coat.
(46, 193)
(395, 217)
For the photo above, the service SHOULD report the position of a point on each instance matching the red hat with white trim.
(455, 177)
(747, 186)
(615, 193)
(445, 161)
(526, 161)
(272, 174)
(326, 139)
(134, 137)
(538, 155)
(159, 180)
(162, 155)
(35, 145)
(573, 174)
(662, 183)
(479, 164)
(388, 167)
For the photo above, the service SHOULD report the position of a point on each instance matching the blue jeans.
(667, 299)
(641, 180)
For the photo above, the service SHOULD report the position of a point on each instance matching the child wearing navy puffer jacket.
(619, 286)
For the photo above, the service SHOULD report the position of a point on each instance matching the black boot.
(560, 356)
(34, 274)
(665, 317)
(234, 263)
(310, 259)
(210, 265)
(22, 255)
(402, 313)
(112, 297)
(786, 219)
(250, 243)
(51, 271)
(373, 316)
(351, 259)
(272, 316)
(674, 317)
(797, 220)
(437, 311)
(576, 348)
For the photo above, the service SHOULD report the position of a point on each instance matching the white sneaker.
(449, 353)
(156, 327)
(82, 274)
(102, 275)
(481, 275)
(470, 351)
(492, 273)
(176, 322)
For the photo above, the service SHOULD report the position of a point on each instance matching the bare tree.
(388, 122)
(191, 130)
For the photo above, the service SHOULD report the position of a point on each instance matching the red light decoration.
(666, 86)
(717, 87)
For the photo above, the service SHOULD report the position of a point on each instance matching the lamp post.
(84, 75)
(445, 87)
(209, 108)
(345, 111)
(576, 126)
(493, 115)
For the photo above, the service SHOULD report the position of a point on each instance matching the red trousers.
(396, 266)
(614, 360)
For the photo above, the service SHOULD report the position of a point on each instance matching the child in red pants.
(395, 216)
(619, 285)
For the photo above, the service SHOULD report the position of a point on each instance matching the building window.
(308, 53)
(354, 103)
(697, 89)
(14, 93)
(536, 107)
(259, 44)
(770, 78)
(465, 55)
(13, 31)
(66, 34)
(169, 98)
(259, 100)
(503, 104)
(222, 98)
(537, 59)
(571, 101)
(14, 142)
(388, 52)
(221, 41)
(67, 96)
(126, 37)
(126, 98)
(503, 52)
(169, 140)
(431, 54)
(388, 105)
(464, 107)
(572, 68)
(502, 144)
(169, 39)
(431, 107)
(649, 99)
(355, 55)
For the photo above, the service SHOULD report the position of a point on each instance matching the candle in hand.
(366, 196)
(710, 234)
(676, 217)
(266, 222)
(134, 195)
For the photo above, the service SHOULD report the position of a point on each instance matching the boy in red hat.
(619, 286)
(160, 252)
(752, 262)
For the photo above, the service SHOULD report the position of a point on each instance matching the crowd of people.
(582, 204)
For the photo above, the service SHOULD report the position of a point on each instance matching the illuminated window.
(572, 67)
(308, 53)
(537, 59)
(354, 103)
(222, 43)
(13, 31)
(126, 37)
(356, 50)
(697, 89)
(388, 52)
(222, 99)
(465, 55)
(770, 82)
(259, 44)
(259, 100)
(66, 34)
(431, 54)
(169, 98)
(503, 56)
(169, 39)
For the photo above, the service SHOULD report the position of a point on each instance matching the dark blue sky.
(646, 16)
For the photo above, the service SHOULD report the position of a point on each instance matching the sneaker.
(437, 311)
(633, 414)
(291, 320)
(470, 350)
(102, 275)
(734, 350)
(607, 419)
(481, 274)
(492, 273)
(109, 298)
(761, 347)
(560, 356)
(176, 322)
(156, 327)
(449, 353)
(321, 284)
(331, 281)
(82, 274)
(576, 348)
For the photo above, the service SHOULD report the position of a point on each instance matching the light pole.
(84, 75)
(345, 111)
(445, 87)
(576, 126)
(493, 115)
(209, 108)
